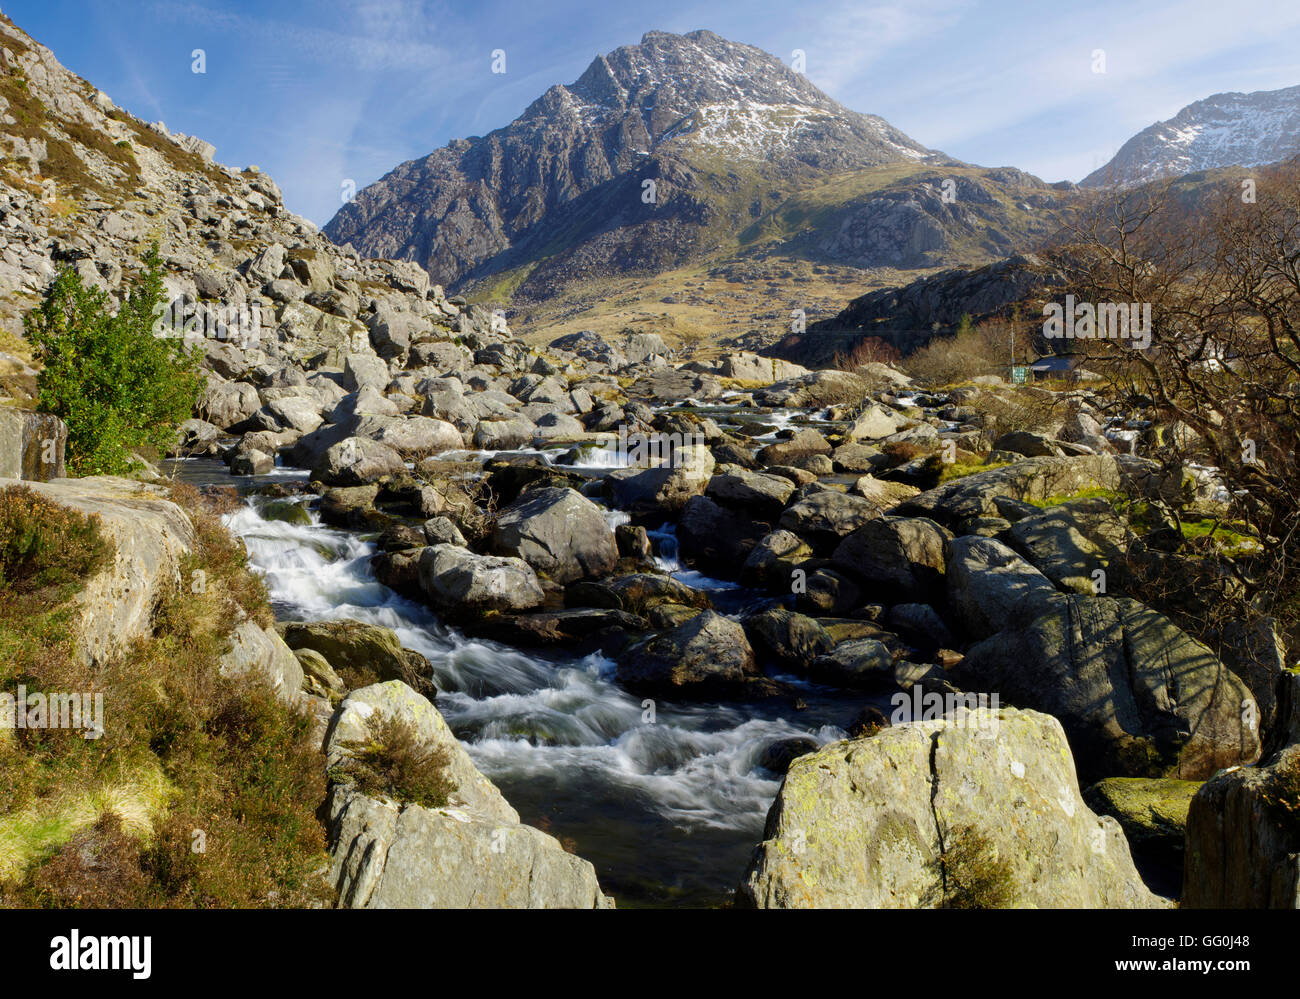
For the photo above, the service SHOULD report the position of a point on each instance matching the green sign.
(1019, 374)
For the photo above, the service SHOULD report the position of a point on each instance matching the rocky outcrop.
(1138, 696)
(1243, 838)
(31, 445)
(916, 816)
(152, 536)
(472, 853)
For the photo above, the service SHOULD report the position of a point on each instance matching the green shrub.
(392, 762)
(116, 384)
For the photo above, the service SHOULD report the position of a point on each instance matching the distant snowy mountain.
(1223, 130)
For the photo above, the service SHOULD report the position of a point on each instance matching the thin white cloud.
(391, 40)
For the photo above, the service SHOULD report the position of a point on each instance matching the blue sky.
(317, 93)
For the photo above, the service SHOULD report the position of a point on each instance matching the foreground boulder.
(1138, 696)
(472, 853)
(916, 817)
(559, 532)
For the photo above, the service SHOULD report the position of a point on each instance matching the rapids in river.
(667, 801)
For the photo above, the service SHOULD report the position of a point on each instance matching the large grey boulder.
(757, 491)
(787, 640)
(292, 412)
(228, 404)
(899, 559)
(504, 435)
(990, 587)
(356, 461)
(1138, 696)
(360, 370)
(874, 423)
(472, 853)
(825, 517)
(981, 808)
(803, 443)
(559, 532)
(459, 581)
(414, 437)
(747, 367)
(664, 489)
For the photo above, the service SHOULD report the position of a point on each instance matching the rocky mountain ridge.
(1231, 129)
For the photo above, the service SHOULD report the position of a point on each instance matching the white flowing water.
(667, 804)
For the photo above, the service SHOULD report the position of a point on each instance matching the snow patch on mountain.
(1231, 129)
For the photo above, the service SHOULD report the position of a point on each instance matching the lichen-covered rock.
(1153, 812)
(1030, 479)
(979, 808)
(472, 853)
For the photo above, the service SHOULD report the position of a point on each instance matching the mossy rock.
(287, 511)
(1152, 811)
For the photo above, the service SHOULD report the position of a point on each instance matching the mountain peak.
(1228, 129)
(683, 104)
